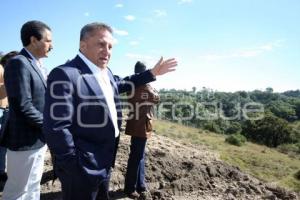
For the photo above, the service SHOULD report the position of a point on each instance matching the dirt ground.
(181, 172)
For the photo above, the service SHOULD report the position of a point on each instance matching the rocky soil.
(182, 172)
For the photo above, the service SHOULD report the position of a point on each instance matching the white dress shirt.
(39, 64)
(102, 78)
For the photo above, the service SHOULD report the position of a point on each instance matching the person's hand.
(164, 66)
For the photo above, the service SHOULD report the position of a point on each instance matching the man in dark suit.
(25, 85)
(82, 114)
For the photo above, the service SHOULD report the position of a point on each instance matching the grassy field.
(260, 161)
(296, 125)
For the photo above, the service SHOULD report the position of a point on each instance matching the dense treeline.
(263, 117)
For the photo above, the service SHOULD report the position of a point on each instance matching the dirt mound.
(183, 172)
(177, 171)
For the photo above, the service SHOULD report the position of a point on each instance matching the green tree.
(271, 130)
(283, 110)
(269, 90)
(234, 128)
(297, 107)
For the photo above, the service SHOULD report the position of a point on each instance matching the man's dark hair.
(32, 28)
(89, 29)
(6, 57)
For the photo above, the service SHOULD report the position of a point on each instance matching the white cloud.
(86, 14)
(129, 17)
(120, 32)
(244, 53)
(272, 45)
(160, 13)
(138, 56)
(146, 59)
(266, 47)
(134, 43)
(184, 1)
(119, 5)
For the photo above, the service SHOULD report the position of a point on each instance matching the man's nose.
(105, 50)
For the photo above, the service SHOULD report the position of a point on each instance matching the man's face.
(97, 47)
(43, 46)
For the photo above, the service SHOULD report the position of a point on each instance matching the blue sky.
(225, 45)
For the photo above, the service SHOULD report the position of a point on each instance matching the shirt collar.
(32, 57)
(94, 68)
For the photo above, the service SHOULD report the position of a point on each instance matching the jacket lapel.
(116, 97)
(89, 79)
(34, 66)
(92, 82)
(113, 82)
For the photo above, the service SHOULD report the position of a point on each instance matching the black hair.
(6, 57)
(33, 28)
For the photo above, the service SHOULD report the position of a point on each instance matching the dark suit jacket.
(77, 123)
(25, 87)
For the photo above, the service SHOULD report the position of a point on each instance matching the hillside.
(179, 170)
(264, 163)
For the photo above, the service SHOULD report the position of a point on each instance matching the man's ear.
(82, 45)
(33, 40)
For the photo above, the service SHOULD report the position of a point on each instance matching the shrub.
(236, 139)
(271, 130)
(234, 127)
(297, 175)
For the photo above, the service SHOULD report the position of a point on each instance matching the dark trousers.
(2, 149)
(79, 186)
(135, 175)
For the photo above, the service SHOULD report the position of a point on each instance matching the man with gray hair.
(82, 115)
